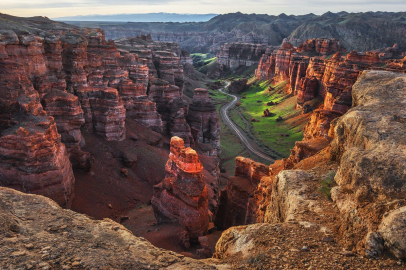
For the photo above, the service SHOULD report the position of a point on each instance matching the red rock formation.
(164, 59)
(306, 90)
(182, 195)
(32, 157)
(266, 66)
(68, 114)
(282, 62)
(169, 68)
(233, 55)
(204, 123)
(322, 46)
(297, 71)
(235, 206)
(329, 79)
(172, 108)
(34, 160)
(103, 110)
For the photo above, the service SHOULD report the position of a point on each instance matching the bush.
(327, 183)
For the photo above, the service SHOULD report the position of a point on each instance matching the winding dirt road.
(243, 137)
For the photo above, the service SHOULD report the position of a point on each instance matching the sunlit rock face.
(32, 157)
(67, 112)
(322, 46)
(182, 196)
(204, 123)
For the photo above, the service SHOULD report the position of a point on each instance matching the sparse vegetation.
(328, 183)
(201, 60)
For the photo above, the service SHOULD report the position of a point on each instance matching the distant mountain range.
(357, 31)
(141, 17)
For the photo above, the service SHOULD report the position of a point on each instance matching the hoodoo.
(182, 196)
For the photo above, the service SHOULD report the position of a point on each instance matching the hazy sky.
(58, 8)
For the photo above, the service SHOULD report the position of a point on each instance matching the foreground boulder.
(182, 197)
(35, 233)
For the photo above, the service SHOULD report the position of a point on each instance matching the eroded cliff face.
(182, 197)
(364, 165)
(235, 204)
(233, 55)
(369, 144)
(33, 158)
(204, 123)
(68, 79)
(318, 73)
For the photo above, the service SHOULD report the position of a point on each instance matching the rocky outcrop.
(104, 111)
(266, 66)
(368, 143)
(78, 78)
(164, 59)
(172, 108)
(204, 123)
(68, 115)
(182, 195)
(234, 55)
(238, 86)
(138, 106)
(321, 46)
(33, 158)
(282, 62)
(235, 203)
(367, 211)
(34, 228)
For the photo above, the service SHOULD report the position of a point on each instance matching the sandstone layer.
(182, 197)
(68, 79)
(235, 205)
(234, 55)
(204, 123)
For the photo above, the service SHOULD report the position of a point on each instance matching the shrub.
(327, 183)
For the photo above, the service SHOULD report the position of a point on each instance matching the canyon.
(118, 132)
(308, 229)
(79, 112)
